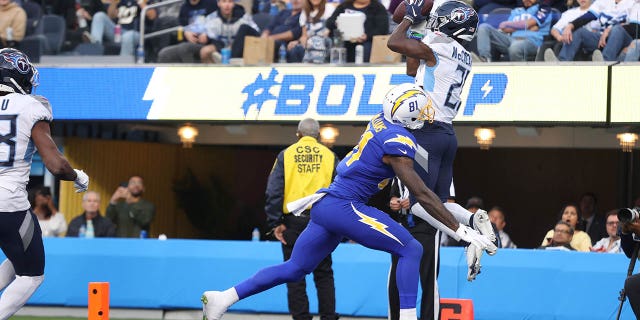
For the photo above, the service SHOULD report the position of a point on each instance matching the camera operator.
(629, 239)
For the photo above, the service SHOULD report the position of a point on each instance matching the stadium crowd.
(195, 31)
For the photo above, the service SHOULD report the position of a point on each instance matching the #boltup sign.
(491, 94)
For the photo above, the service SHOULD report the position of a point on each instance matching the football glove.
(473, 237)
(413, 11)
(473, 261)
(82, 181)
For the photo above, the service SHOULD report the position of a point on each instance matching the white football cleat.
(212, 307)
(482, 224)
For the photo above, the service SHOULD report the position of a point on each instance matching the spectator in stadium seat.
(285, 29)
(519, 38)
(570, 214)
(592, 223)
(565, 18)
(620, 36)
(227, 28)
(576, 37)
(206, 37)
(52, 223)
(102, 226)
(192, 10)
(376, 23)
(125, 13)
(496, 215)
(312, 20)
(129, 211)
(562, 237)
(14, 18)
(189, 12)
(611, 243)
(78, 17)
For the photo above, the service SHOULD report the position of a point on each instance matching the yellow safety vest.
(308, 167)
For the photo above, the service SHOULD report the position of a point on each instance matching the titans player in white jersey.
(24, 126)
(440, 64)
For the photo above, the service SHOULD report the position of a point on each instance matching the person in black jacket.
(629, 240)
(102, 226)
(299, 171)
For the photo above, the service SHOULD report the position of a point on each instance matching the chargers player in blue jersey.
(386, 149)
(438, 60)
(25, 119)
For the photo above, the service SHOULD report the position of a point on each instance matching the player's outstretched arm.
(437, 215)
(55, 162)
(403, 167)
(52, 158)
(398, 42)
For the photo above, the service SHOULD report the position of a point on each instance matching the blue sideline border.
(171, 274)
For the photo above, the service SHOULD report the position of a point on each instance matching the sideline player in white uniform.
(24, 126)
(440, 64)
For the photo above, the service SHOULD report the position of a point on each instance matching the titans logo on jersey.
(362, 173)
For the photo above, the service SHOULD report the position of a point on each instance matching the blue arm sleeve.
(582, 20)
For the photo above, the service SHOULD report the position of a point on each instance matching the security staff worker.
(300, 170)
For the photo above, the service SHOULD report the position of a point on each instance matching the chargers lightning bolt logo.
(403, 140)
(486, 88)
(375, 225)
(258, 91)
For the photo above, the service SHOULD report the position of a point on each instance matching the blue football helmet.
(455, 19)
(17, 74)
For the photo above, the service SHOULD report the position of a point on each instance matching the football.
(400, 11)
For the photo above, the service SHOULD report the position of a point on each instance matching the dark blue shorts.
(439, 139)
(21, 242)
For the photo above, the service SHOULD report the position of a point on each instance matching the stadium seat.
(52, 27)
(34, 16)
(89, 49)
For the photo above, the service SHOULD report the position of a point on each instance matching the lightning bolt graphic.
(486, 88)
(375, 225)
(402, 139)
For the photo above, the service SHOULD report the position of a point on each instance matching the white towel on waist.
(296, 207)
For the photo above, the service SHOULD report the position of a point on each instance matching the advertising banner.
(625, 94)
(491, 94)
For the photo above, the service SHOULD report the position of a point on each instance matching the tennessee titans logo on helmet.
(18, 61)
(461, 14)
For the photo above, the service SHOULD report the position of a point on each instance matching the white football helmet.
(407, 105)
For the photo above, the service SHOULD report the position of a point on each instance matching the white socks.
(17, 294)
(460, 213)
(408, 314)
(7, 273)
(230, 296)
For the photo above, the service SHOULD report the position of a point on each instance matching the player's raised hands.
(414, 11)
